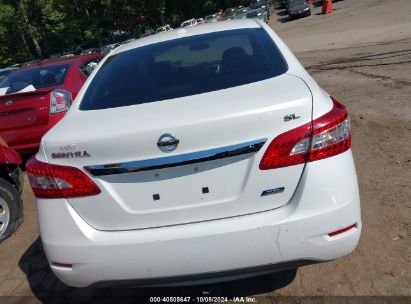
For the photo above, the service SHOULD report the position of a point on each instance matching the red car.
(34, 98)
(11, 183)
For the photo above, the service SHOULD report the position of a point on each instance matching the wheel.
(10, 209)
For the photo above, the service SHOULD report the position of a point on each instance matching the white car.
(190, 22)
(211, 18)
(202, 155)
(164, 28)
(128, 40)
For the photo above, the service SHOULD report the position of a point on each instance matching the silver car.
(211, 18)
(242, 13)
(259, 14)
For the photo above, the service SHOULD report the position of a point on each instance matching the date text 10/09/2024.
(206, 299)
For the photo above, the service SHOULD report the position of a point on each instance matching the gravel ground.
(368, 72)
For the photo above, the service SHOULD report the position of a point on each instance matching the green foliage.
(6, 29)
(36, 28)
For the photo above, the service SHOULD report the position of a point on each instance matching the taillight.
(327, 136)
(60, 101)
(54, 181)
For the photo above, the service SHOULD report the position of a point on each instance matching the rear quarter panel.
(322, 102)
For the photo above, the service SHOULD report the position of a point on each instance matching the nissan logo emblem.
(167, 142)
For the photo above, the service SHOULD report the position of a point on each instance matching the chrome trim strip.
(177, 160)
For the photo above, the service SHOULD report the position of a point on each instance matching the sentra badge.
(74, 154)
(69, 151)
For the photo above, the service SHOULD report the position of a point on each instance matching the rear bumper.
(204, 278)
(326, 200)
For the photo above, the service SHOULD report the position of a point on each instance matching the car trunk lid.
(243, 119)
(22, 110)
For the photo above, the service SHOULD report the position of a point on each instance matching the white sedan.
(196, 155)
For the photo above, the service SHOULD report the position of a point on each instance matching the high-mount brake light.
(54, 181)
(326, 136)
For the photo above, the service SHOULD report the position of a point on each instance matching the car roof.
(53, 61)
(189, 31)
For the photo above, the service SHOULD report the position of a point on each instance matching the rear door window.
(184, 67)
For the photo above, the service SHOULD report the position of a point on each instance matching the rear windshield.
(36, 78)
(3, 74)
(184, 67)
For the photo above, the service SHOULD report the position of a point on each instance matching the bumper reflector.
(334, 233)
(62, 265)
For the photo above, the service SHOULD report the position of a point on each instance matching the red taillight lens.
(54, 181)
(280, 151)
(327, 136)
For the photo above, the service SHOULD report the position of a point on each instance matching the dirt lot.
(361, 54)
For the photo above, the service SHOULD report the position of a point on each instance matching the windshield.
(298, 3)
(184, 67)
(36, 78)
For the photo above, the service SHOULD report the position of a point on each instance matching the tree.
(22, 9)
(37, 28)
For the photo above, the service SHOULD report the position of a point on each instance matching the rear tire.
(10, 209)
